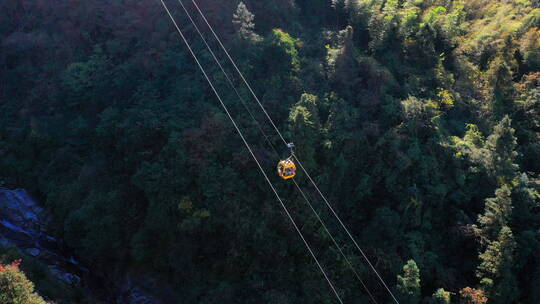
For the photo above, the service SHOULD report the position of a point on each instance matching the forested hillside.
(418, 119)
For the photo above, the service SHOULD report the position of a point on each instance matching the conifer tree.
(409, 284)
(243, 22)
(495, 270)
(500, 154)
(498, 211)
(346, 65)
(524, 201)
(305, 125)
(500, 77)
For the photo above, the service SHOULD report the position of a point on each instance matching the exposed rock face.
(18, 208)
(23, 224)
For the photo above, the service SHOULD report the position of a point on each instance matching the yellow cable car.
(286, 168)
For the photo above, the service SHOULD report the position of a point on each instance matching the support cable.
(275, 150)
(346, 230)
(229, 80)
(335, 242)
(296, 158)
(238, 70)
(251, 152)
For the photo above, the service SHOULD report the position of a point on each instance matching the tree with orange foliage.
(472, 296)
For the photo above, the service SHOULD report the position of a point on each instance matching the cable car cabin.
(286, 168)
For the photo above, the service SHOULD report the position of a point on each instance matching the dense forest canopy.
(419, 120)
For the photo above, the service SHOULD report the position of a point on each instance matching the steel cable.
(251, 152)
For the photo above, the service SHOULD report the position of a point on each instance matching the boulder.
(33, 251)
(66, 277)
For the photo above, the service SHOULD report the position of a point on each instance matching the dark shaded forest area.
(419, 120)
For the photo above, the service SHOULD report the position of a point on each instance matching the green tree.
(500, 152)
(86, 84)
(440, 296)
(343, 64)
(15, 288)
(243, 23)
(495, 270)
(408, 285)
(305, 126)
(497, 213)
(527, 120)
(524, 200)
(285, 49)
(473, 136)
(417, 116)
(499, 77)
(529, 48)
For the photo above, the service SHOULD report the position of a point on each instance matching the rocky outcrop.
(18, 208)
(23, 223)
